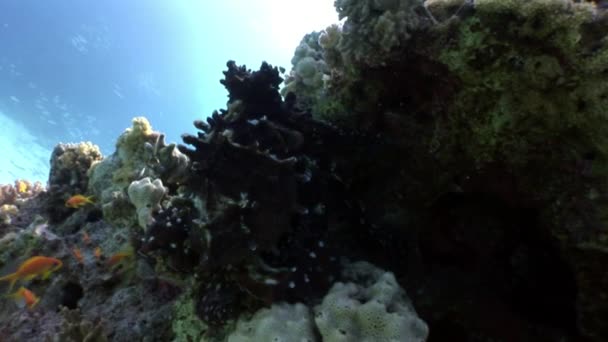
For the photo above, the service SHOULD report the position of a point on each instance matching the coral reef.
(281, 322)
(68, 176)
(371, 308)
(133, 159)
(76, 329)
(6, 211)
(458, 146)
(19, 204)
(501, 103)
(19, 192)
(366, 305)
(172, 232)
(375, 30)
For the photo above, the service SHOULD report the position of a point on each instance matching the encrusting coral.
(367, 305)
(281, 322)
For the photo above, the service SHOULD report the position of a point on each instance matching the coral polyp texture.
(429, 170)
(146, 196)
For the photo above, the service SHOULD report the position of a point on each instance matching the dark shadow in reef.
(490, 268)
(71, 293)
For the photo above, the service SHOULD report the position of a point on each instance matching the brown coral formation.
(68, 176)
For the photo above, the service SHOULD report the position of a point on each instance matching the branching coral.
(19, 191)
(171, 232)
(263, 233)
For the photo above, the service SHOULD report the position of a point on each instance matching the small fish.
(78, 201)
(86, 238)
(78, 255)
(33, 267)
(25, 297)
(97, 253)
(119, 257)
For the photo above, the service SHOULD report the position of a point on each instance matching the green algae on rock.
(186, 326)
(504, 101)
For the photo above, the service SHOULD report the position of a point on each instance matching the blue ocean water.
(75, 71)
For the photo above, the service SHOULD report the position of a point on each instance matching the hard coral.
(219, 300)
(263, 232)
(371, 308)
(130, 144)
(171, 232)
(140, 152)
(8, 194)
(376, 31)
(68, 176)
(257, 88)
(173, 164)
(146, 196)
(368, 306)
(280, 322)
(309, 71)
(6, 212)
(20, 191)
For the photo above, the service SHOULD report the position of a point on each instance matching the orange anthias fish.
(86, 238)
(26, 297)
(78, 255)
(97, 253)
(78, 201)
(119, 257)
(33, 267)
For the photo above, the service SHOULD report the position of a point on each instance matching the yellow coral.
(131, 142)
(21, 186)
